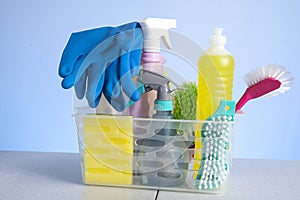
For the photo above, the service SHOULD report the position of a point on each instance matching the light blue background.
(36, 112)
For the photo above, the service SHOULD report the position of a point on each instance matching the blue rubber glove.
(112, 84)
(103, 60)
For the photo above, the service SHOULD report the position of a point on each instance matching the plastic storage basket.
(124, 151)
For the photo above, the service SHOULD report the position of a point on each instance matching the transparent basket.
(119, 150)
(123, 151)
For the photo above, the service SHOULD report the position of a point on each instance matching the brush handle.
(259, 89)
(243, 100)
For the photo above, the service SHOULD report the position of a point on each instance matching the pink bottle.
(151, 61)
(154, 30)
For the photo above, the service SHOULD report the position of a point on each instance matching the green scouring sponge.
(185, 100)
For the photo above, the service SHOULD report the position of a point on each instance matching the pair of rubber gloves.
(103, 60)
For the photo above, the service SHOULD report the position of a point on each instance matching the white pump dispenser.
(154, 30)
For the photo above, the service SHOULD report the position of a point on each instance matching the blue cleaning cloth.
(103, 60)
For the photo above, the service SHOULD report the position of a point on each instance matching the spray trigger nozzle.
(153, 81)
(154, 30)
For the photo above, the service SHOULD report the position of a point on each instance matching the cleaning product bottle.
(154, 30)
(215, 81)
(160, 162)
(215, 78)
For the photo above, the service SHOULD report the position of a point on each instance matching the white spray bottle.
(154, 31)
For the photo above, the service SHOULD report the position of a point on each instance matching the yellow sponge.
(108, 154)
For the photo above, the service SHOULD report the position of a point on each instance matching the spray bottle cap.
(218, 39)
(155, 29)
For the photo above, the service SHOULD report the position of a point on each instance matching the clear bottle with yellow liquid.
(215, 78)
(215, 83)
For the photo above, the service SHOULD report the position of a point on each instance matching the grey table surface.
(44, 176)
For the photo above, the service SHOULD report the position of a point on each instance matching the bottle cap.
(218, 39)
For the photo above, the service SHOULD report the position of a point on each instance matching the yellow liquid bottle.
(215, 78)
(215, 82)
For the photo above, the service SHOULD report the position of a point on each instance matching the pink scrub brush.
(270, 79)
